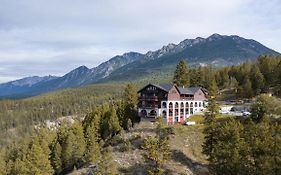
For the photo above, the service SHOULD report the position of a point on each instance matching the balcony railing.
(149, 98)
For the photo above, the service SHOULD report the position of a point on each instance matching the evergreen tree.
(259, 139)
(56, 161)
(276, 149)
(257, 79)
(131, 95)
(130, 102)
(37, 161)
(228, 149)
(16, 158)
(107, 165)
(92, 152)
(210, 123)
(195, 77)
(213, 89)
(247, 90)
(181, 74)
(157, 149)
(73, 148)
(265, 106)
(110, 124)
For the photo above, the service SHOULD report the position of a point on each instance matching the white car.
(246, 113)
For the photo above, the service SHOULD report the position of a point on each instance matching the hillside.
(217, 50)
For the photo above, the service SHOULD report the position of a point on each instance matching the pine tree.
(247, 90)
(157, 149)
(73, 148)
(110, 124)
(228, 149)
(181, 74)
(107, 165)
(16, 158)
(131, 95)
(257, 79)
(92, 152)
(259, 139)
(210, 123)
(37, 161)
(56, 160)
(276, 149)
(213, 89)
(130, 102)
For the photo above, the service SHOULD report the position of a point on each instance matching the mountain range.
(217, 50)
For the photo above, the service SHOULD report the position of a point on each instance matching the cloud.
(41, 37)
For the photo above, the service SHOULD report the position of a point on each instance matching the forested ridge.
(109, 109)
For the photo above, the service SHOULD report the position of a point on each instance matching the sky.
(52, 37)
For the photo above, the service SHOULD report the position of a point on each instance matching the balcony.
(148, 98)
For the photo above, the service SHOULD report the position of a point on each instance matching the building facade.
(174, 103)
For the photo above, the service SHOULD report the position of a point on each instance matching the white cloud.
(41, 37)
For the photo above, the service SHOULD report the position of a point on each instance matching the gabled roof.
(190, 91)
(165, 87)
(168, 87)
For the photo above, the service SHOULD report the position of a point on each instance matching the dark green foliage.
(130, 100)
(235, 147)
(37, 161)
(157, 149)
(210, 125)
(18, 116)
(228, 149)
(56, 157)
(247, 90)
(265, 106)
(73, 147)
(110, 124)
(107, 165)
(92, 152)
(257, 79)
(181, 75)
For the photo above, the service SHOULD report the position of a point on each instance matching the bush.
(125, 146)
(116, 140)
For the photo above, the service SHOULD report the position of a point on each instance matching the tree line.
(19, 116)
(246, 80)
(247, 146)
(73, 145)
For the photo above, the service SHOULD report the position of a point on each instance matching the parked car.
(246, 113)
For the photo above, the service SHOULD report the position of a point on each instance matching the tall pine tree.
(181, 74)
(210, 122)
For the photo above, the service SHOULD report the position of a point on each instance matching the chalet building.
(174, 103)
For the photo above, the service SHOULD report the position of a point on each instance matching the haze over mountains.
(217, 50)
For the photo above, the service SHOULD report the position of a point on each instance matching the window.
(164, 105)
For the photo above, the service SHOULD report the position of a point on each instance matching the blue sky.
(42, 37)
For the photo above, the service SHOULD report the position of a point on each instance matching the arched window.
(171, 109)
(164, 113)
(186, 108)
(177, 108)
(191, 104)
(195, 104)
(143, 113)
(171, 105)
(164, 105)
(153, 113)
(200, 104)
(177, 105)
(182, 108)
